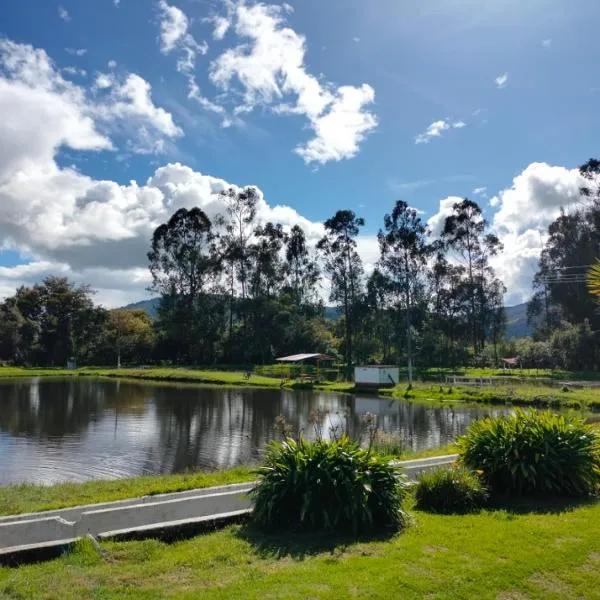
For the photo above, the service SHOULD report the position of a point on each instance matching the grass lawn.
(177, 374)
(16, 499)
(521, 394)
(553, 554)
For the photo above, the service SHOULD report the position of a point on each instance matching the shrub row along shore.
(510, 392)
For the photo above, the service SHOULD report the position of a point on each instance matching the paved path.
(142, 516)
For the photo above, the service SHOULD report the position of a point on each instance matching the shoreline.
(30, 497)
(507, 393)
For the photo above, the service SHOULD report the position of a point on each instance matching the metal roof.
(301, 357)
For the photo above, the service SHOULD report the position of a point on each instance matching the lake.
(78, 428)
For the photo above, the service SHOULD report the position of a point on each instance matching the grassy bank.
(519, 395)
(16, 499)
(550, 553)
(177, 375)
(503, 393)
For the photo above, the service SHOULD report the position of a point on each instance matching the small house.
(376, 376)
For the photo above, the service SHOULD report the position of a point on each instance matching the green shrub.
(328, 485)
(534, 452)
(447, 491)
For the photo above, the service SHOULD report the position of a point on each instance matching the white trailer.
(376, 376)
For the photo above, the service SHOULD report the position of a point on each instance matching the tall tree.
(404, 251)
(185, 268)
(301, 268)
(467, 233)
(344, 266)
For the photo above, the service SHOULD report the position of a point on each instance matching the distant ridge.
(516, 316)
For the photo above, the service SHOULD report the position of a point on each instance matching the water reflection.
(77, 429)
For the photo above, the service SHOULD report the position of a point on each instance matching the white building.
(376, 376)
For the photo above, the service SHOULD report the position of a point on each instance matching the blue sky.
(334, 104)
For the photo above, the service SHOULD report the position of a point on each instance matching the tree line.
(236, 291)
(563, 313)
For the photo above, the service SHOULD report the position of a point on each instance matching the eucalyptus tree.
(404, 249)
(466, 233)
(185, 268)
(301, 268)
(343, 265)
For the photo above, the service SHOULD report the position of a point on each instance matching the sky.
(116, 113)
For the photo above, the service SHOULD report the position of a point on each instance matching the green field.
(550, 552)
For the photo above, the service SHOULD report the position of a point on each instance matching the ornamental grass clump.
(450, 491)
(328, 485)
(531, 452)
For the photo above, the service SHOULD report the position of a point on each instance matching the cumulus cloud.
(501, 80)
(524, 211)
(271, 71)
(436, 222)
(480, 191)
(436, 129)
(522, 215)
(90, 230)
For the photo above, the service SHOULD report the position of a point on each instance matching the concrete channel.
(51, 531)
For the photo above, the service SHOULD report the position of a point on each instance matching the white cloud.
(356, 39)
(547, 43)
(221, 26)
(501, 80)
(63, 13)
(116, 2)
(173, 26)
(480, 191)
(436, 129)
(68, 223)
(76, 51)
(535, 198)
(103, 81)
(436, 222)
(340, 131)
(270, 70)
(524, 212)
(112, 64)
(74, 71)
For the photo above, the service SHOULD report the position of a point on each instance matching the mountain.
(516, 316)
(150, 306)
(516, 321)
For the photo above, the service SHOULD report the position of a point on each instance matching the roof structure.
(301, 357)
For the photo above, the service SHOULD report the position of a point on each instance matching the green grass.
(489, 555)
(178, 374)
(520, 394)
(16, 499)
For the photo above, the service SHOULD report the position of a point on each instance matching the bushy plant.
(534, 452)
(327, 485)
(447, 491)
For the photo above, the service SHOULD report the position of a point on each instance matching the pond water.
(78, 428)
